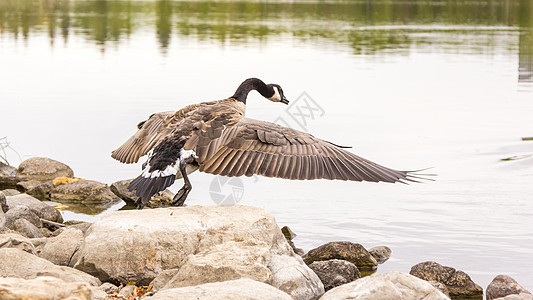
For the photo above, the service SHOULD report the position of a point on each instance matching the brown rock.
(40, 208)
(22, 212)
(335, 272)
(27, 229)
(84, 192)
(35, 188)
(43, 169)
(503, 285)
(381, 253)
(459, 284)
(161, 199)
(354, 253)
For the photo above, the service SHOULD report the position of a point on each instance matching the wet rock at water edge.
(459, 284)
(37, 189)
(40, 208)
(161, 199)
(503, 285)
(43, 169)
(242, 289)
(394, 285)
(380, 253)
(8, 176)
(335, 272)
(289, 235)
(84, 192)
(352, 252)
(43, 287)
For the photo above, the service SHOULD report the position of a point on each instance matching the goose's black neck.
(252, 84)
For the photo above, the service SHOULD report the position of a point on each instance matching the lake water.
(408, 84)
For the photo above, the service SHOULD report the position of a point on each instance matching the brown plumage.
(226, 143)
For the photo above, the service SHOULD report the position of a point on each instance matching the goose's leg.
(182, 194)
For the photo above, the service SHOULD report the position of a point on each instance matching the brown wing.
(255, 147)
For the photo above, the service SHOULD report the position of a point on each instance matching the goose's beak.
(284, 101)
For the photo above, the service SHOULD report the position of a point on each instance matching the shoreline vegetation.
(187, 253)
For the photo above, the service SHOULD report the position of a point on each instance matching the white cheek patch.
(276, 97)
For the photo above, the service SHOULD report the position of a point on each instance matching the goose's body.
(215, 137)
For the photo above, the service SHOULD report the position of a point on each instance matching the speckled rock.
(335, 272)
(459, 284)
(352, 252)
(43, 169)
(84, 192)
(381, 253)
(503, 285)
(38, 189)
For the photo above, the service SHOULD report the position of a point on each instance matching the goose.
(215, 137)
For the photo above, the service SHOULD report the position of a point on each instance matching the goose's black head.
(277, 94)
(272, 92)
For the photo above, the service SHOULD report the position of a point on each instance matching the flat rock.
(161, 199)
(335, 272)
(387, 286)
(10, 192)
(242, 289)
(459, 284)
(212, 244)
(84, 192)
(43, 288)
(8, 176)
(60, 249)
(15, 240)
(43, 169)
(502, 286)
(380, 253)
(20, 264)
(352, 252)
(40, 208)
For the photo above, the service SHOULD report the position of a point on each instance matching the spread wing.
(255, 147)
(151, 132)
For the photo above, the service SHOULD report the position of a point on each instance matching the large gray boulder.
(21, 264)
(242, 289)
(60, 249)
(503, 285)
(459, 284)
(352, 252)
(388, 286)
(335, 272)
(43, 288)
(40, 208)
(206, 244)
(43, 169)
(161, 199)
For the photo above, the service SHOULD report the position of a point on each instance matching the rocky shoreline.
(216, 252)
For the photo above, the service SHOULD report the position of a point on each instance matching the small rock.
(60, 249)
(109, 288)
(126, 291)
(459, 284)
(161, 199)
(381, 253)
(22, 212)
(26, 228)
(38, 189)
(354, 253)
(84, 192)
(289, 235)
(98, 294)
(242, 289)
(3, 204)
(43, 287)
(43, 169)
(335, 272)
(10, 192)
(503, 285)
(15, 240)
(394, 285)
(40, 208)
(8, 176)
(441, 287)
(20, 264)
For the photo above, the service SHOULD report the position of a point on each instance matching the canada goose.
(216, 138)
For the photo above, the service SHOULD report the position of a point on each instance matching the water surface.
(408, 84)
